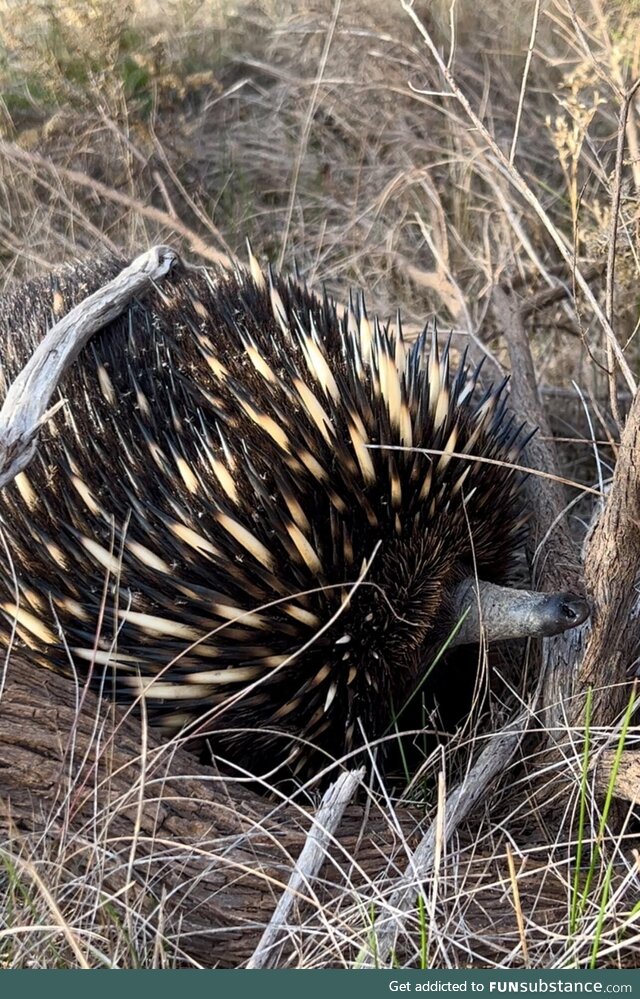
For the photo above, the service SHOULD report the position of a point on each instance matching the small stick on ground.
(313, 855)
(513, 876)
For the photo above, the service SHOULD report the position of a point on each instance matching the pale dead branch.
(24, 410)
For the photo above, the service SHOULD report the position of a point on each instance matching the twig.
(308, 864)
(463, 799)
(550, 296)
(593, 269)
(517, 904)
(25, 407)
(525, 76)
(481, 459)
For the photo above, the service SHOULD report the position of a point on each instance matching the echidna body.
(252, 511)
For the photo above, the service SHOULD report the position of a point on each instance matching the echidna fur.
(252, 509)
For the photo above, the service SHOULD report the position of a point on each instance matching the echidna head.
(262, 517)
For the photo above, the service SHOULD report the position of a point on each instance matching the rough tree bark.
(602, 653)
(81, 775)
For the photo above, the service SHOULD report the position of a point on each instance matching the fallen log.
(86, 792)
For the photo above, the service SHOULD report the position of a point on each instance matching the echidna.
(263, 517)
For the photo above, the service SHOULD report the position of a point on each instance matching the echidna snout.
(501, 613)
(258, 514)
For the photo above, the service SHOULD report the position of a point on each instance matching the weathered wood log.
(87, 778)
(102, 821)
(627, 774)
(83, 777)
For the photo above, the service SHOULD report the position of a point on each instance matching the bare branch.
(525, 76)
(314, 854)
(25, 408)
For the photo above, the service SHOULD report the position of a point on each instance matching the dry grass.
(327, 134)
(504, 892)
(234, 120)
